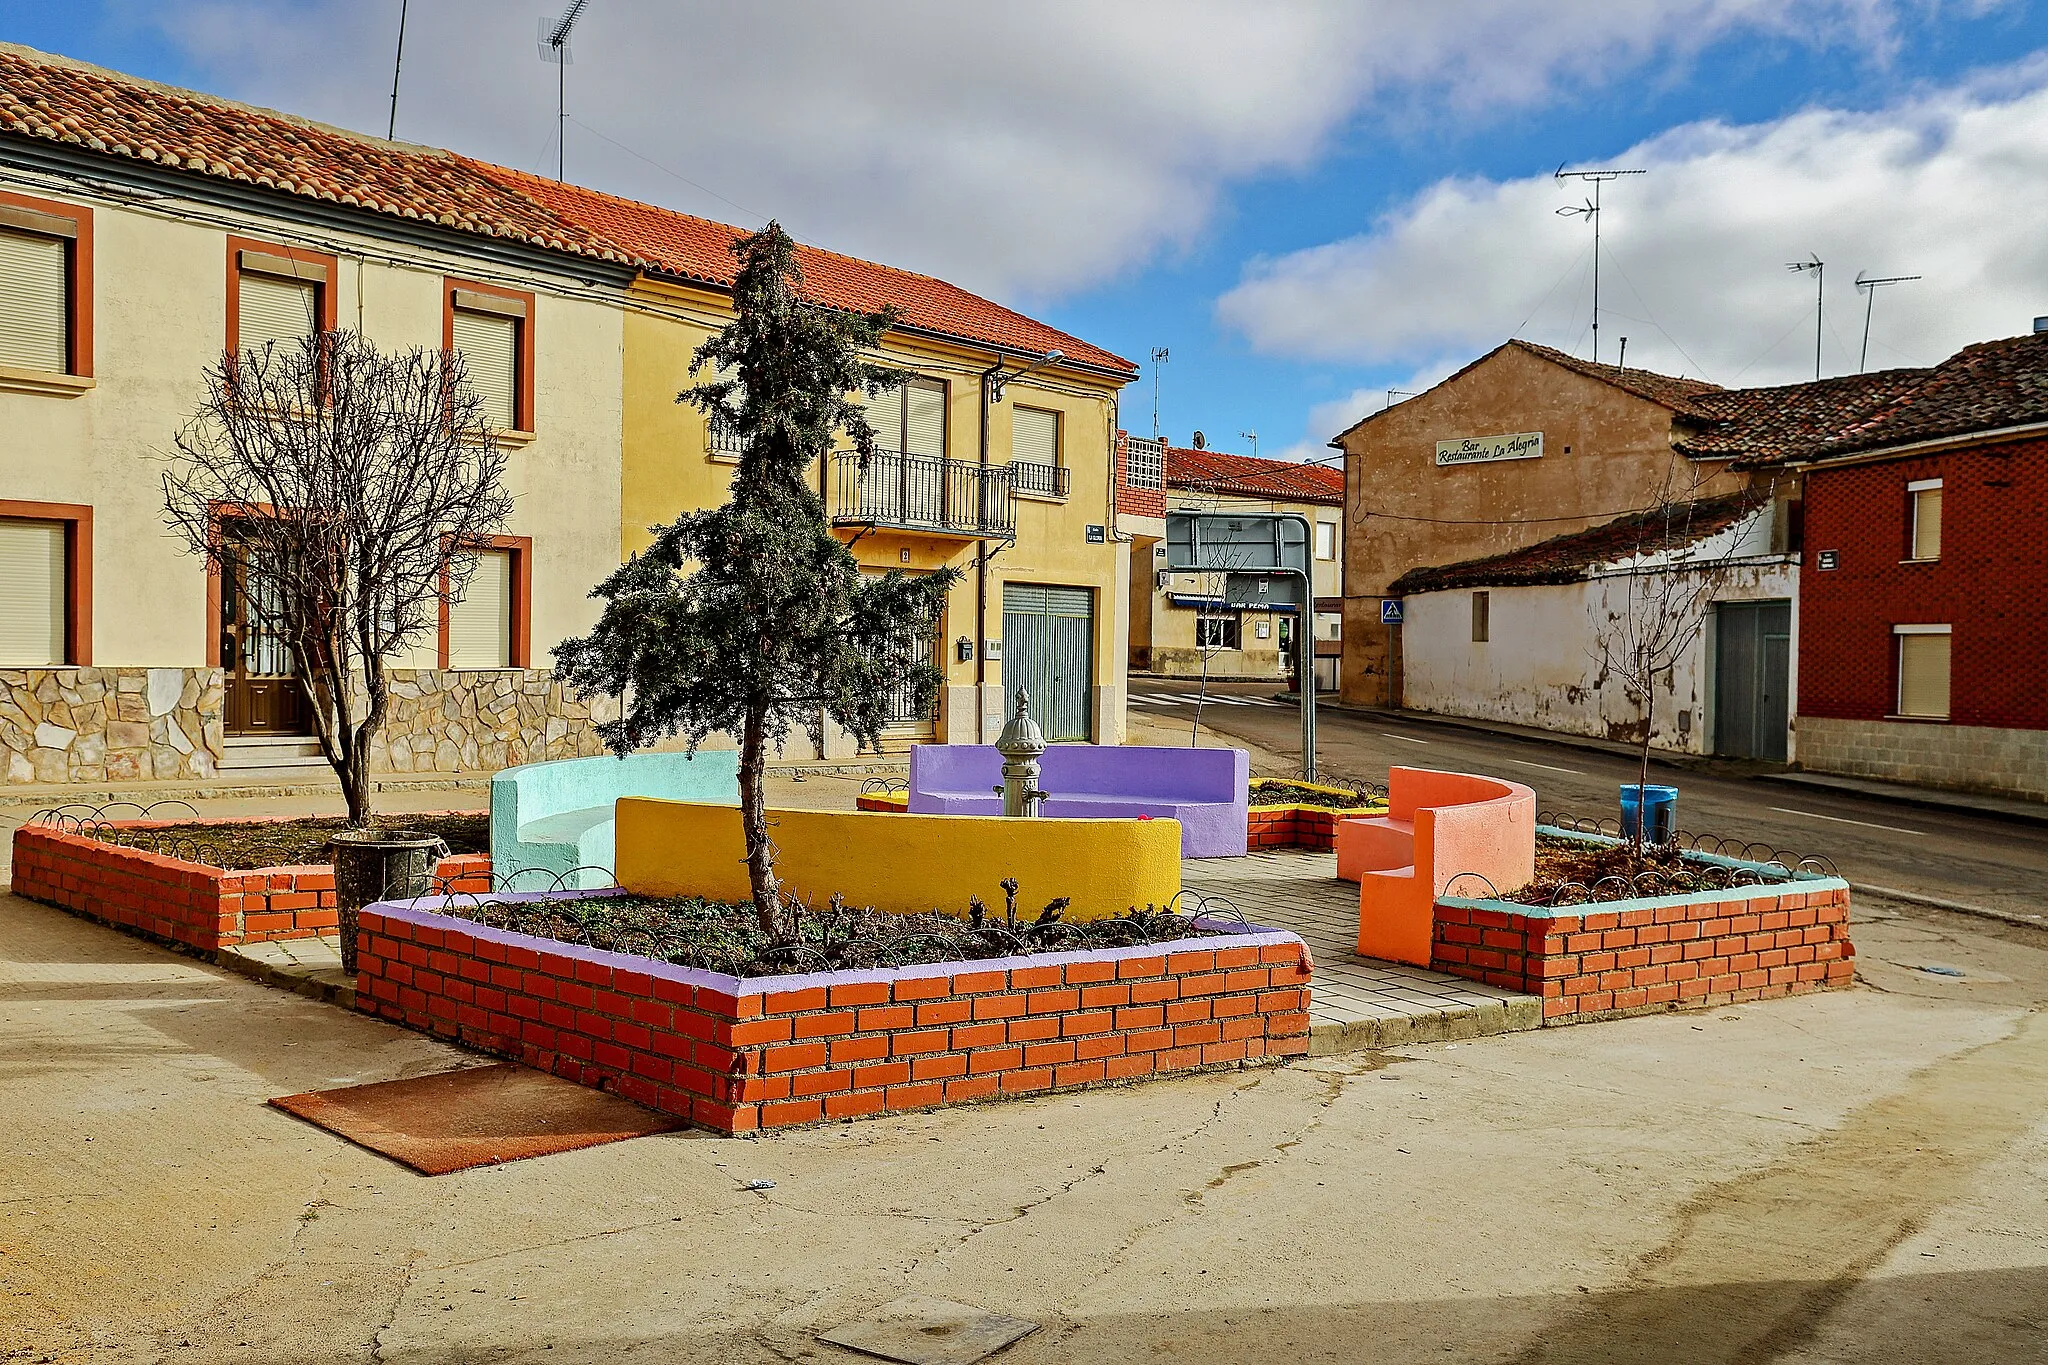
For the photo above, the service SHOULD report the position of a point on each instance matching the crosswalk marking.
(1196, 699)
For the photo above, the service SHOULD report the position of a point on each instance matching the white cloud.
(1948, 184)
(1020, 149)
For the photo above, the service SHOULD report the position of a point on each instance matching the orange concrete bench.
(1437, 825)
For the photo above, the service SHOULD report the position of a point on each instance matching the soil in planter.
(723, 937)
(1561, 861)
(239, 845)
(1271, 793)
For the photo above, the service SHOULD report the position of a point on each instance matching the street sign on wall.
(1390, 611)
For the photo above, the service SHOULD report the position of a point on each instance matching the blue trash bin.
(1653, 808)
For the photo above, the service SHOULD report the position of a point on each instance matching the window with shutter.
(489, 345)
(32, 593)
(275, 310)
(924, 418)
(1923, 671)
(34, 298)
(1035, 436)
(885, 415)
(1926, 499)
(1326, 540)
(480, 623)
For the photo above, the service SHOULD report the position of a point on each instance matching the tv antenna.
(1590, 211)
(1394, 393)
(1820, 277)
(1870, 288)
(554, 48)
(391, 129)
(1159, 357)
(1253, 437)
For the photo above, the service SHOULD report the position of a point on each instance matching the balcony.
(1047, 481)
(923, 493)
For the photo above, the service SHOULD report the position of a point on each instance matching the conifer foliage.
(753, 618)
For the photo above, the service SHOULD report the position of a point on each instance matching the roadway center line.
(1409, 738)
(1839, 820)
(1520, 763)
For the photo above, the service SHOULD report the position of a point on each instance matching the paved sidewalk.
(1355, 1002)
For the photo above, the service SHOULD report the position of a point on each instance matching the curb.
(1438, 1026)
(1959, 907)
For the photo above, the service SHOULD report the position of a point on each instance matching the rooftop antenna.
(1253, 437)
(1590, 211)
(554, 48)
(1820, 277)
(1870, 288)
(391, 129)
(1159, 358)
(1392, 394)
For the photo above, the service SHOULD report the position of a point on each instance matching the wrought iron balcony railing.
(923, 493)
(1045, 480)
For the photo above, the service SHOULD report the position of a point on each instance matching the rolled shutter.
(480, 625)
(1035, 436)
(885, 415)
(276, 310)
(924, 419)
(33, 315)
(1927, 524)
(1923, 675)
(489, 344)
(32, 584)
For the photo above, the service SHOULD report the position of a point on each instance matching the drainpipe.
(981, 565)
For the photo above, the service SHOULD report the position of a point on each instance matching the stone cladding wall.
(92, 725)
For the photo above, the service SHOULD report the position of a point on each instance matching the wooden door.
(262, 697)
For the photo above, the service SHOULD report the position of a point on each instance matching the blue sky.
(1308, 204)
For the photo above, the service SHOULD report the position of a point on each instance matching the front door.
(1752, 679)
(261, 695)
(1049, 648)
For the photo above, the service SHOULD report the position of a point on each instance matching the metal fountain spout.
(1020, 744)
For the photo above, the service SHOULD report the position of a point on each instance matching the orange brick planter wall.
(1310, 827)
(200, 907)
(736, 1055)
(1634, 957)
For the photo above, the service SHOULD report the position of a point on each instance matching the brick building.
(1924, 590)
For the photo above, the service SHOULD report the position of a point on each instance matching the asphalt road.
(1975, 859)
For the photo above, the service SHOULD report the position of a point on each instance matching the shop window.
(1218, 630)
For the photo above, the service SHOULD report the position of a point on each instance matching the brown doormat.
(477, 1116)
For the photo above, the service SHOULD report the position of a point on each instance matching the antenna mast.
(1253, 437)
(1591, 212)
(1870, 288)
(1159, 357)
(391, 129)
(554, 47)
(1820, 276)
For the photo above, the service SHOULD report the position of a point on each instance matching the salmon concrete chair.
(1437, 826)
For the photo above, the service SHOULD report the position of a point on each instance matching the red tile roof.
(1680, 395)
(1763, 426)
(700, 250)
(57, 100)
(1985, 387)
(1570, 558)
(1213, 471)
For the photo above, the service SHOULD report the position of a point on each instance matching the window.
(1924, 498)
(1035, 468)
(910, 417)
(45, 290)
(722, 441)
(1923, 671)
(492, 329)
(45, 584)
(277, 295)
(487, 626)
(1482, 617)
(1326, 540)
(1144, 463)
(1217, 630)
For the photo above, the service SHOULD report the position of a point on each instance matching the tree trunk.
(1643, 773)
(754, 820)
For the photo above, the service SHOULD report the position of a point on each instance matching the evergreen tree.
(753, 618)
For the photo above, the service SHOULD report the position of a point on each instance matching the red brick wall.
(735, 1056)
(1310, 827)
(1990, 584)
(1748, 944)
(189, 903)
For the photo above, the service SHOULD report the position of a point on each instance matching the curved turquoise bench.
(554, 818)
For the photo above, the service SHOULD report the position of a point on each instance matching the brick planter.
(191, 904)
(1654, 954)
(737, 1054)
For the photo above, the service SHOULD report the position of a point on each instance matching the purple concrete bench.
(1204, 789)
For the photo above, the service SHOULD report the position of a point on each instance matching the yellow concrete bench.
(906, 864)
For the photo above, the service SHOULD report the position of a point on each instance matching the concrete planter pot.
(379, 865)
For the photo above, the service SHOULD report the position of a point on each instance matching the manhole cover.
(920, 1330)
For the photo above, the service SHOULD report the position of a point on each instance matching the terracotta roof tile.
(58, 100)
(1765, 426)
(701, 250)
(1569, 558)
(1678, 394)
(1214, 471)
(1984, 387)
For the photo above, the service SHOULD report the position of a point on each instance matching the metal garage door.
(1049, 647)
(1752, 678)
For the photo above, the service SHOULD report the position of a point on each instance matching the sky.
(1307, 203)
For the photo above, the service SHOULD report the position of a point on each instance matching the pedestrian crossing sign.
(1390, 611)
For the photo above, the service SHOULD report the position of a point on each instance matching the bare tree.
(1669, 580)
(351, 487)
